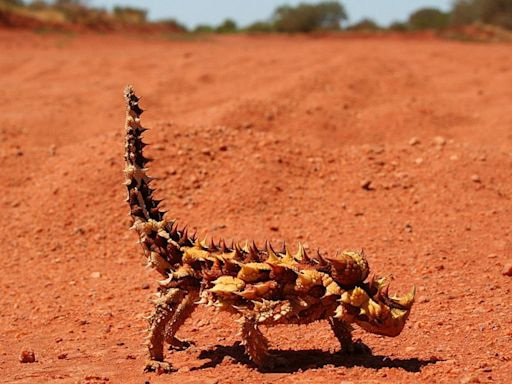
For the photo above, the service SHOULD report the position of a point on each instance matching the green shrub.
(309, 17)
(364, 25)
(428, 18)
(398, 26)
(174, 24)
(130, 14)
(204, 28)
(261, 27)
(227, 26)
(495, 12)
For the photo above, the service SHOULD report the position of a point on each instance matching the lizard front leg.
(184, 310)
(343, 332)
(166, 307)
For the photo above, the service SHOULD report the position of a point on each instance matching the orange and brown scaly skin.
(263, 286)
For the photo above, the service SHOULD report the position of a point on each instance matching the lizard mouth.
(373, 309)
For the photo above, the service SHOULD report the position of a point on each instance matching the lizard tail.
(143, 207)
(158, 237)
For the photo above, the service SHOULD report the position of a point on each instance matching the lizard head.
(371, 307)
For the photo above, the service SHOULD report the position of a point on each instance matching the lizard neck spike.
(184, 235)
(222, 246)
(211, 245)
(301, 254)
(349, 268)
(272, 257)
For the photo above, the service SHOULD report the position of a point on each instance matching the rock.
(367, 185)
(507, 269)
(27, 356)
(469, 379)
(440, 141)
(419, 160)
(95, 275)
(414, 141)
(144, 286)
(475, 179)
(62, 356)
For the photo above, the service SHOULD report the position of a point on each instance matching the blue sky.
(193, 12)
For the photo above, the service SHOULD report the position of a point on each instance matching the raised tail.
(159, 238)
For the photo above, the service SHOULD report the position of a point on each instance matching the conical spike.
(272, 257)
(406, 301)
(184, 235)
(204, 243)
(299, 256)
(222, 246)
(211, 245)
(238, 251)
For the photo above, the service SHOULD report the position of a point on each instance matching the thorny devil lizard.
(262, 286)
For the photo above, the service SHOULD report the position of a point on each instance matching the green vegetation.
(130, 14)
(307, 18)
(428, 18)
(493, 12)
(302, 18)
(227, 26)
(364, 25)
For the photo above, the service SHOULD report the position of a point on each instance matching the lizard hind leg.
(256, 345)
(182, 313)
(165, 309)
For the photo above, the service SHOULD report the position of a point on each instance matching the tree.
(465, 12)
(204, 28)
(309, 17)
(227, 26)
(364, 25)
(495, 12)
(428, 18)
(260, 27)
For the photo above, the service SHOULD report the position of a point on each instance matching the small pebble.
(62, 356)
(367, 185)
(414, 141)
(96, 275)
(27, 356)
(507, 269)
(439, 141)
(475, 178)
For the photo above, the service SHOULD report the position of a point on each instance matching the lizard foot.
(273, 361)
(358, 348)
(180, 345)
(159, 367)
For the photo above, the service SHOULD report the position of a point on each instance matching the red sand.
(264, 138)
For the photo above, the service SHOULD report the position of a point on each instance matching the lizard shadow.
(312, 358)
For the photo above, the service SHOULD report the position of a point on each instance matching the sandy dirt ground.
(402, 147)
